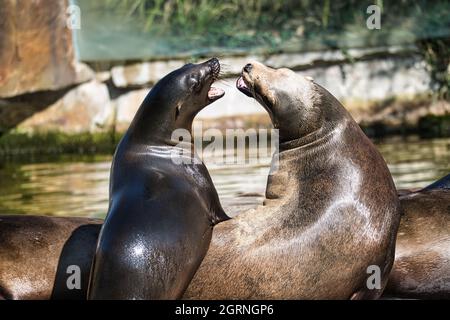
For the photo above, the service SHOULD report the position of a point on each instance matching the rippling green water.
(79, 187)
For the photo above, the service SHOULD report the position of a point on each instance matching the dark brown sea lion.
(163, 205)
(422, 259)
(36, 254)
(331, 209)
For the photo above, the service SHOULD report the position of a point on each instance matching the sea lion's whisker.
(225, 83)
(224, 74)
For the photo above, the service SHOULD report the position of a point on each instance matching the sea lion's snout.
(285, 95)
(243, 82)
(214, 64)
(256, 80)
(242, 86)
(213, 92)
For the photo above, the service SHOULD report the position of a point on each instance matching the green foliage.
(435, 126)
(436, 53)
(237, 22)
(24, 145)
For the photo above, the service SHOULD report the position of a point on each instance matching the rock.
(365, 86)
(306, 60)
(15, 110)
(361, 86)
(303, 60)
(102, 76)
(234, 103)
(148, 73)
(140, 74)
(86, 108)
(36, 51)
(126, 106)
(234, 65)
(376, 79)
(390, 91)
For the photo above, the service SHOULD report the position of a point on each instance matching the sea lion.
(422, 259)
(16, 251)
(163, 203)
(443, 183)
(331, 209)
(36, 254)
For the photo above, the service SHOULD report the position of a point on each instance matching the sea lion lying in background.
(36, 254)
(422, 259)
(331, 211)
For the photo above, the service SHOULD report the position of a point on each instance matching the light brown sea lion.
(331, 208)
(422, 259)
(36, 253)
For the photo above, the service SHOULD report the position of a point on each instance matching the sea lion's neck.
(299, 160)
(314, 139)
(154, 122)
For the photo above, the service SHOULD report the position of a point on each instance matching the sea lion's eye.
(194, 83)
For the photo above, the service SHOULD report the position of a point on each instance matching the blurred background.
(73, 73)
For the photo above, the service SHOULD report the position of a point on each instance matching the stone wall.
(380, 85)
(36, 51)
(43, 87)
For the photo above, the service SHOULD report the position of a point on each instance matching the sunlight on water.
(77, 188)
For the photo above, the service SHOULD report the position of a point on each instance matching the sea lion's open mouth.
(215, 93)
(242, 86)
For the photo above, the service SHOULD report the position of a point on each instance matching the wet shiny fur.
(163, 203)
(422, 258)
(331, 208)
(35, 253)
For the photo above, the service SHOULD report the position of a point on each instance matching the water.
(79, 187)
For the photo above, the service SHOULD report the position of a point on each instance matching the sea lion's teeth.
(215, 93)
(242, 83)
(242, 86)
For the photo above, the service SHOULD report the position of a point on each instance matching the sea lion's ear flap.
(271, 96)
(193, 82)
(177, 110)
(309, 78)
